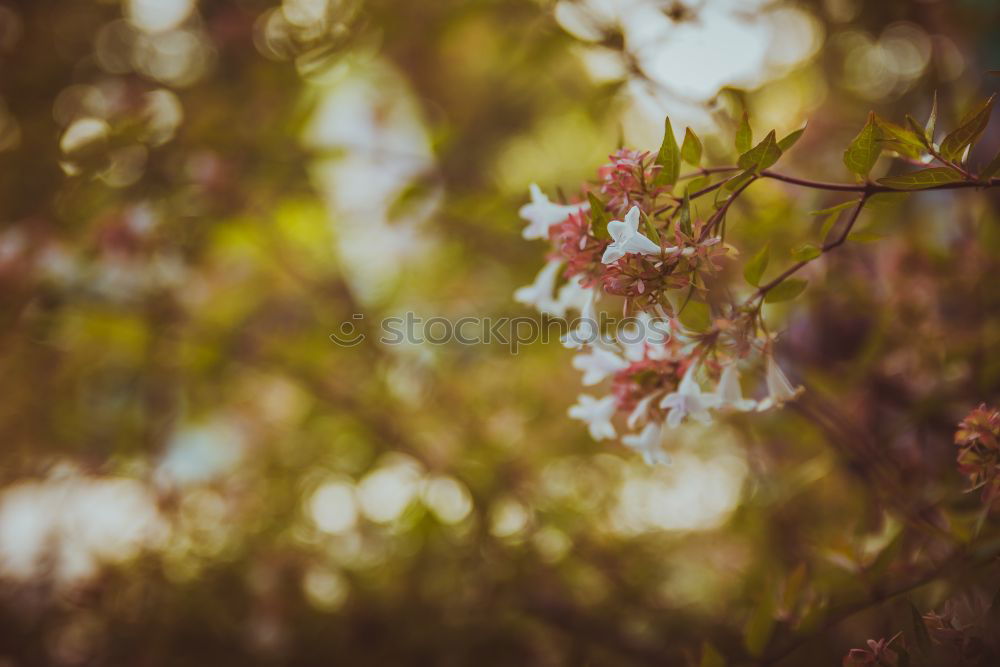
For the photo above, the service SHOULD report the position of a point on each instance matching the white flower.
(729, 394)
(539, 293)
(688, 401)
(627, 238)
(648, 443)
(779, 389)
(646, 338)
(598, 364)
(572, 296)
(586, 331)
(640, 411)
(542, 214)
(597, 413)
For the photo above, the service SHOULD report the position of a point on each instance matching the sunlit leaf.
(806, 252)
(836, 208)
(897, 138)
(755, 268)
(691, 148)
(919, 132)
(736, 182)
(931, 125)
(786, 290)
(925, 178)
(696, 184)
(669, 157)
(744, 134)
(761, 156)
(828, 224)
(969, 130)
(861, 154)
(791, 139)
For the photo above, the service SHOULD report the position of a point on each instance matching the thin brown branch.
(827, 247)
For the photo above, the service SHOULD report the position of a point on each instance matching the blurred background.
(194, 194)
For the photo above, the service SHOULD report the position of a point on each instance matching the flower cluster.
(978, 441)
(633, 239)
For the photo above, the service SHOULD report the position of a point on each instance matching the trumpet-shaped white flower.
(586, 331)
(598, 364)
(779, 389)
(542, 214)
(539, 293)
(572, 296)
(627, 238)
(689, 401)
(597, 413)
(649, 443)
(640, 411)
(646, 338)
(729, 394)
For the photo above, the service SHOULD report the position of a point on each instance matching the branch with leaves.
(636, 234)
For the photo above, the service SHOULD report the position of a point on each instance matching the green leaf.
(695, 315)
(710, 657)
(651, 232)
(860, 156)
(836, 208)
(925, 178)
(918, 132)
(685, 216)
(969, 130)
(920, 633)
(931, 126)
(599, 217)
(827, 225)
(888, 555)
(806, 252)
(791, 139)
(736, 182)
(865, 237)
(757, 632)
(991, 169)
(744, 135)
(669, 157)
(786, 290)
(755, 268)
(691, 148)
(905, 142)
(761, 156)
(696, 184)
